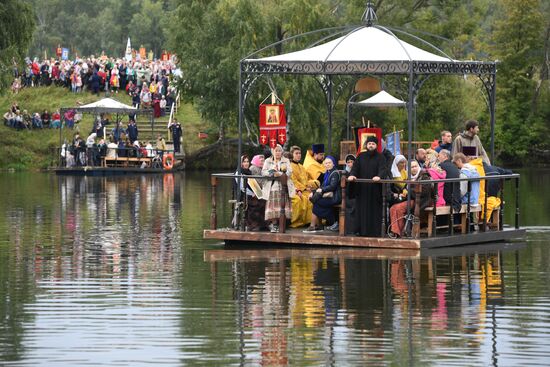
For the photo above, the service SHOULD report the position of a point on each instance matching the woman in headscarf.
(257, 164)
(398, 190)
(398, 211)
(272, 191)
(301, 206)
(330, 194)
(255, 206)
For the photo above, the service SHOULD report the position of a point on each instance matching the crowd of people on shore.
(147, 82)
(313, 189)
(96, 74)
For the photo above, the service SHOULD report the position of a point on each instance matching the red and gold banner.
(361, 135)
(272, 124)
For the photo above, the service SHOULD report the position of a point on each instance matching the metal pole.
(241, 107)
(493, 112)
(329, 103)
(410, 120)
(517, 203)
(348, 119)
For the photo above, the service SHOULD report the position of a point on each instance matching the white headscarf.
(394, 170)
(415, 177)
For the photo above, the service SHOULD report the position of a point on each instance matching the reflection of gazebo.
(369, 49)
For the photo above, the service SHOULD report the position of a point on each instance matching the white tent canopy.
(382, 99)
(107, 103)
(362, 44)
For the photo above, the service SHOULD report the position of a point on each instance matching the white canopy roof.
(382, 99)
(107, 103)
(362, 44)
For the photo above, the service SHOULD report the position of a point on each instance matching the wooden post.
(416, 221)
(501, 211)
(467, 229)
(213, 213)
(342, 219)
(516, 221)
(434, 213)
(485, 207)
(384, 209)
(284, 191)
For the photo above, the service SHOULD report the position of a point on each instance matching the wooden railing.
(413, 209)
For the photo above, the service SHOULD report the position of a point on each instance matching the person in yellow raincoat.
(313, 163)
(493, 202)
(301, 206)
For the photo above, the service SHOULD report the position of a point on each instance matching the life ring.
(168, 161)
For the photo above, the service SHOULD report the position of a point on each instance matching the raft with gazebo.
(118, 165)
(375, 51)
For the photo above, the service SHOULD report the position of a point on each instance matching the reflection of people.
(273, 117)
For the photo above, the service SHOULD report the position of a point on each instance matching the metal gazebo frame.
(417, 71)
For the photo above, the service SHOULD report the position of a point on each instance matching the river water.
(114, 272)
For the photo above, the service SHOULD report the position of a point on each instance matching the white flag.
(128, 54)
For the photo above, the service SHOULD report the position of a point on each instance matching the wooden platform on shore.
(296, 237)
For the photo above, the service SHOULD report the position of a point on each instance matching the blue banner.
(393, 143)
(65, 54)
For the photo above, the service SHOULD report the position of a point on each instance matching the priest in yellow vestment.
(313, 163)
(301, 206)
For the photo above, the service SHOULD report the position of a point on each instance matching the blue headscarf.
(327, 173)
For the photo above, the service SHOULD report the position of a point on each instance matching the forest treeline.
(211, 36)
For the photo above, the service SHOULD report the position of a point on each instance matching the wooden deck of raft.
(295, 237)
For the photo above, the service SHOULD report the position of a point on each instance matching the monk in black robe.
(368, 206)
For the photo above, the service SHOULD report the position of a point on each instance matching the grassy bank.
(34, 149)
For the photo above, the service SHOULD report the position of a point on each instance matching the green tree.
(17, 20)
(147, 26)
(517, 40)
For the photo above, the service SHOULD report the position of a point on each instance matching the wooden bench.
(125, 161)
(446, 210)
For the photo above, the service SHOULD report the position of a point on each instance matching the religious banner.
(164, 56)
(393, 143)
(361, 135)
(142, 53)
(58, 51)
(65, 54)
(272, 124)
